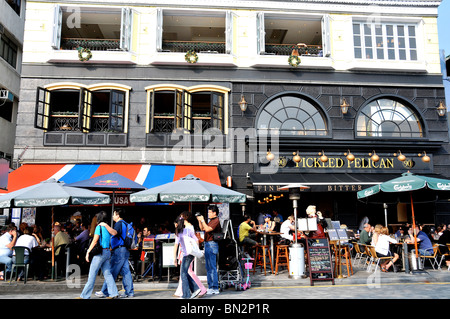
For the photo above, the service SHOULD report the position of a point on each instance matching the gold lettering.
(316, 162)
(331, 162)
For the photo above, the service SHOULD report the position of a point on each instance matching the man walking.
(119, 258)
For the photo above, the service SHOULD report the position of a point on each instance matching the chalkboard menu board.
(319, 260)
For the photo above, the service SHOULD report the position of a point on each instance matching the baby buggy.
(231, 262)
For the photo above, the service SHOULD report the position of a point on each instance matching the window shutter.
(326, 43)
(42, 116)
(151, 113)
(187, 110)
(125, 29)
(159, 29)
(229, 32)
(116, 110)
(85, 111)
(217, 110)
(260, 33)
(57, 23)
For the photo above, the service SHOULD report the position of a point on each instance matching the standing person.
(366, 236)
(188, 286)
(211, 247)
(7, 242)
(119, 258)
(101, 261)
(187, 218)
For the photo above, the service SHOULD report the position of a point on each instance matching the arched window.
(386, 117)
(292, 114)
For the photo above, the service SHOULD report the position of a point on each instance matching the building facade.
(337, 91)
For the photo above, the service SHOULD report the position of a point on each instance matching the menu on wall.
(319, 260)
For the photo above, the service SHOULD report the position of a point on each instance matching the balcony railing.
(92, 44)
(165, 124)
(100, 123)
(197, 46)
(286, 49)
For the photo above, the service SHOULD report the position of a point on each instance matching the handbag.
(192, 247)
(97, 250)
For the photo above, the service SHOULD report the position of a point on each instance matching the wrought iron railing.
(286, 49)
(165, 124)
(70, 123)
(91, 44)
(197, 46)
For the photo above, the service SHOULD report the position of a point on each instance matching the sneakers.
(100, 294)
(195, 293)
(124, 295)
(211, 291)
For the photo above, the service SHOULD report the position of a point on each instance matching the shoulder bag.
(192, 247)
(97, 250)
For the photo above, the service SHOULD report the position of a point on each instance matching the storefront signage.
(313, 188)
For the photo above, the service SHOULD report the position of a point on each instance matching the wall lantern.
(243, 104)
(270, 156)
(441, 109)
(374, 157)
(229, 181)
(296, 158)
(400, 156)
(344, 106)
(323, 157)
(425, 157)
(350, 156)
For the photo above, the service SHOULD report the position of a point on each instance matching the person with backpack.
(120, 243)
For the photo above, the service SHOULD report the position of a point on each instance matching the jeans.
(188, 284)
(120, 265)
(100, 261)
(7, 261)
(211, 252)
(26, 259)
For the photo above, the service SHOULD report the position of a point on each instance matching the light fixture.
(323, 157)
(441, 109)
(270, 156)
(400, 156)
(374, 157)
(296, 158)
(425, 157)
(243, 104)
(350, 156)
(344, 106)
(66, 127)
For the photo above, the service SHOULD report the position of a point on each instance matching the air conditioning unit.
(6, 95)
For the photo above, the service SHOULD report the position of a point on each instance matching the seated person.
(382, 249)
(247, 226)
(286, 227)
(425, 245)
(269, 224)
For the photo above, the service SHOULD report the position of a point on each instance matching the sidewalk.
(360, 277)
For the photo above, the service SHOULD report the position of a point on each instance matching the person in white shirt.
(7, 242)
(286, 227)
(25, 240)
(382, 249)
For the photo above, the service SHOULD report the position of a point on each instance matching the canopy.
(52, 193)
(112, 181)
(189, 189)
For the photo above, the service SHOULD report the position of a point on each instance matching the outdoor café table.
(402, 250)
(271, 234)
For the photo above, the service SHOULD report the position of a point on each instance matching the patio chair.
(444, 252)
(376, 259)
(20, 262)
(360, 253)
(432, 258)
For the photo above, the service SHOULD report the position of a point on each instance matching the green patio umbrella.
(52, 193)
(408, 188)
(188, 189)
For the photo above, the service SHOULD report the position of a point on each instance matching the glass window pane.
(358, 54)
(356, 28)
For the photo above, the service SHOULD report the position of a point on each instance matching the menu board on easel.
(319, 260)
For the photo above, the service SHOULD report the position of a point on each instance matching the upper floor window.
(292, 114)
(385, 41)
(201, 31)
(8, 50)
(193, 110)
(86, 109)
(386, 117)
(101, 29)
(15, 5)
(279, 34)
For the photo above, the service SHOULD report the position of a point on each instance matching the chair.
(282, 257)
(63, 258)
(360, 253)
(262, 252)
(339, 253)
(375, 258)
(443, 252)
(20, 262)
(432, 258)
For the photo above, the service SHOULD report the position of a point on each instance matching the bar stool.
(262, 252)
(345, 252)
(282, 257)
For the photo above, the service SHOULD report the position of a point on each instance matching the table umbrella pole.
(53, 244)
(414, 226)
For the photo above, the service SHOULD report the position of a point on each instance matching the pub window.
(292, 114)
(179, 110)
(8, 50)
(81, 109)
(387, 117)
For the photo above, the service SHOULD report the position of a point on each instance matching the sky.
(444, 40)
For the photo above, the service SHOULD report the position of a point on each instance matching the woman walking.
(101, 261)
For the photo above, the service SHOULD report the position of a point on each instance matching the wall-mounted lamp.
(229, 181)
(344, 106)
(323, 157)
(425, 157)
(350, 156)
(400, 156)
(374, 157)
(243, 104)
(441, 109)
(270, 156)
(296, 158)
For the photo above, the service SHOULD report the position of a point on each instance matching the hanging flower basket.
(84, 54)
(191, 56)
(294, 60)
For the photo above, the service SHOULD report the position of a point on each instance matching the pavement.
(282, 279)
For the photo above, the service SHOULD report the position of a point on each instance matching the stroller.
(230, 268)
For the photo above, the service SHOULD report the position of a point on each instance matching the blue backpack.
(129, 241)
